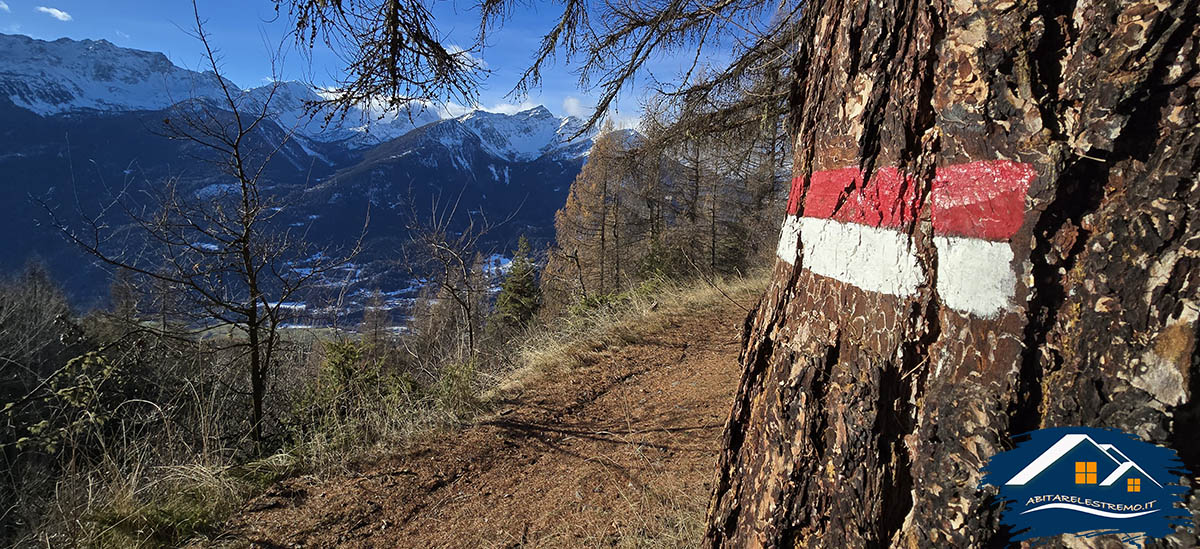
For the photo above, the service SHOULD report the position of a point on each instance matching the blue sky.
(246, 31)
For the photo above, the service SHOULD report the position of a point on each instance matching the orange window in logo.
(1133, 485)
(1085, 472)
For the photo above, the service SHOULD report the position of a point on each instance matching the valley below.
(89, 132)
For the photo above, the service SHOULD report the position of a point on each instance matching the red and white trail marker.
(855, 233)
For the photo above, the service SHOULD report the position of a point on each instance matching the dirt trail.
(620, 452)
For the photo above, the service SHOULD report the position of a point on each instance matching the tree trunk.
(693, 207)
(579, 273)
(712, 228)
(993, 228)
(603, 226)
(616, 230)
(258, 385)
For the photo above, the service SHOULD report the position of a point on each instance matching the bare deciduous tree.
(391, 50)
(228, 267)
(443, 248)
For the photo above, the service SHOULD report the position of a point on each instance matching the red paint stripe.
(793, 206)
(886, 200)
(980, 199)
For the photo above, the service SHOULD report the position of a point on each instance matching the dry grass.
(576, 340)
(126, 503)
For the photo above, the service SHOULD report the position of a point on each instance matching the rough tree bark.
(863, 417)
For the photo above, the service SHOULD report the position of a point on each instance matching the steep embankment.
(618, 452)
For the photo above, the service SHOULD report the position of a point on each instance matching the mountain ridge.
(72, 76)
(62, 102)
(96, 76)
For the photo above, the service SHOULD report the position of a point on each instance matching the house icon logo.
(1088, 481)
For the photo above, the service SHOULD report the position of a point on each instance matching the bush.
(663, 260)
(455, 388)
(591, 304)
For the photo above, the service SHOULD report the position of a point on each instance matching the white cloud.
(4, 7)
(474, 62)
(572, 106)
(625, 122)
(121, 34)
(55, 13)
(452, 110)
(509, 108)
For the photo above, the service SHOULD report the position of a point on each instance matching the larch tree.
(376, 324)
(588, 235)
(992, 228)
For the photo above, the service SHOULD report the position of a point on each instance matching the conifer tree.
(520, 296)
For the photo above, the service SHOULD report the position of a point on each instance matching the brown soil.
(619, 452)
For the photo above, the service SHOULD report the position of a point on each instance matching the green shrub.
(662, 260)
(605, 302)
(163, 521)
(455, 388)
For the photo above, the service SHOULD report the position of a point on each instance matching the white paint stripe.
(874, 259)
(788, 238)
(974, 275)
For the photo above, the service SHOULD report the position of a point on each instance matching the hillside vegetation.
(140, 443)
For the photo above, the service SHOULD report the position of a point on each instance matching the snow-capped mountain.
(96, 76)
(67, 76)
(528, 135)
(514, 167)
(358, 128)
(520, 165)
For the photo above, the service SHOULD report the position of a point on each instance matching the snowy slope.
(67, 75)
(362, 129)
(527, 135)
(94, 75)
